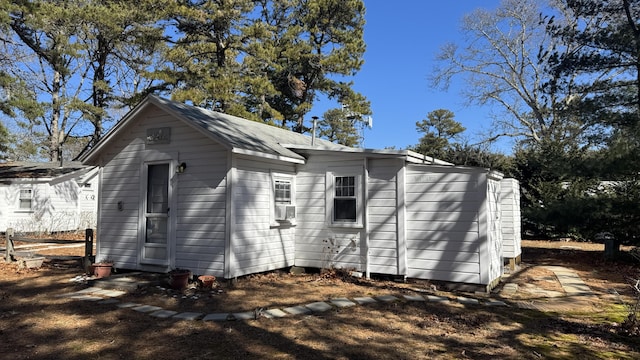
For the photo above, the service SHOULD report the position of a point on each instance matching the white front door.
(155, 245)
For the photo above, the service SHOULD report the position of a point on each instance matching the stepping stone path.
(575, 288)
(109, 297)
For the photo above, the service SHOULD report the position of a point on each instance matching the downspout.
(229, 217)
(365, 220)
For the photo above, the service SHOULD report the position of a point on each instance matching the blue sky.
(403, 38)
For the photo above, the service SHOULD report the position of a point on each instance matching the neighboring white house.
(184, 187)
(47, 197)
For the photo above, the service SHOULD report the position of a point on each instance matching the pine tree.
(439, 128)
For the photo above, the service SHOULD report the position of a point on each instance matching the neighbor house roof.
(39, 170)
(237, 134)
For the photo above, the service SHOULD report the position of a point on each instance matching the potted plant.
(179, 278)
(207, 281)
(102, 268)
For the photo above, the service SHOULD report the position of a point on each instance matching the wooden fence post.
(9, 245)
(88, 243)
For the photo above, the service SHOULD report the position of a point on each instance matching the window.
(25, 199)
(344, 202)
(282, 192)
(344, 199)
(283, 199)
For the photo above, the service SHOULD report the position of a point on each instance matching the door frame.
(157, 158)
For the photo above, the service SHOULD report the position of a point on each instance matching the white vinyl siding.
(198, 221)
(382, 220)
(257, 244)
(511, 218)
(450, 225)
(321, 243)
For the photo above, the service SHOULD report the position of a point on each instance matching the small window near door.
(26, 199)
(344, 199)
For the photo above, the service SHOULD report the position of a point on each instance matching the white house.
(47, 197)
(184, 187)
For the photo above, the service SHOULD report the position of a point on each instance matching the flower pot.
(179, 279)
(102, 270)
(207, 281)
(31, 262)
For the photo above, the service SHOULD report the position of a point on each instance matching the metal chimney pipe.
(313, 131)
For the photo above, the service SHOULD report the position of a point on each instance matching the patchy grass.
(35, 324)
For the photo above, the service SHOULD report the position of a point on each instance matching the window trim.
(330, 197)
(283, 177)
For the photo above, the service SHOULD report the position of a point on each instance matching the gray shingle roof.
(34, 170)
(239, 133)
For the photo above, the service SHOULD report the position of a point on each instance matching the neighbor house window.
(25, 199)
(344, 199)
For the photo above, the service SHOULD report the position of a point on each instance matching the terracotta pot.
(207, 281)
(179, 279)
(102, 270)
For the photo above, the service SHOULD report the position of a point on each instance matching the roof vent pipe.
(313, 130)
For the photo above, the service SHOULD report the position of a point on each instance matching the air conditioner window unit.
(285, 212)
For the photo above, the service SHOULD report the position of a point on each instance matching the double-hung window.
(26, 199)
(282, 192)
(344, 199)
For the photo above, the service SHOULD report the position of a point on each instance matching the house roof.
(237, 134)
(38, 170)
(250, 137)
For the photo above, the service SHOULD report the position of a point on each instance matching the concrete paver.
(188, 316)
(146, 308)
(216, 317)
(365, 300)
(127, 305)
(387, 298)
(297, 310)
(319, 306)
(247, 315)
(496, 303)
(439, 299)
(342, 302)
(109, 301)
(466, 300)
(275, 313)
(86, 297)
(163, 314)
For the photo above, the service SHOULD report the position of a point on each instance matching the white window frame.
(331, 196)
(281, 177)
(20, 199)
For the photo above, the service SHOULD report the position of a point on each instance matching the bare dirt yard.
(36, 322)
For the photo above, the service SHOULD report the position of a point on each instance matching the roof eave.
(268, 156)
(410, 156)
